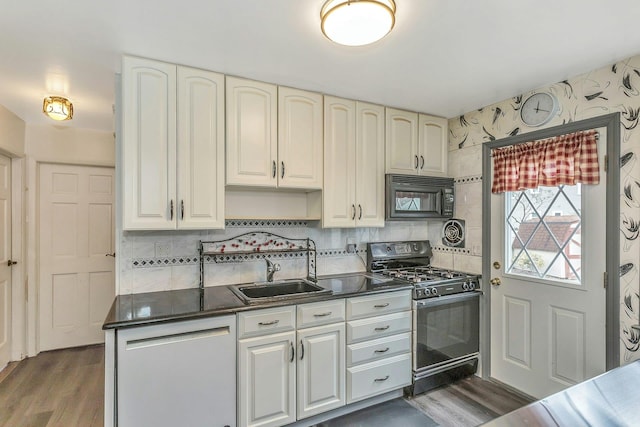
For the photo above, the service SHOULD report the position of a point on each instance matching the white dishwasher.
(177, 374)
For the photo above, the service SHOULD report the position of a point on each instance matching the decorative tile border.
(231, 258)
(446, 249)
(468, 179)
(242, 223)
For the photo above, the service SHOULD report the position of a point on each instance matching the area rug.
(396, 412)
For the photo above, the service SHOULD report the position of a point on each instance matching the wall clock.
(539, 109)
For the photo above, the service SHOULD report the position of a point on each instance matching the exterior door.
(76, 237)
(5, 256)
(547, 297)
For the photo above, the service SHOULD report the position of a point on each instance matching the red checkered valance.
(566, 159)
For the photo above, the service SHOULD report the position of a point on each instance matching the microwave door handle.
(439, 204)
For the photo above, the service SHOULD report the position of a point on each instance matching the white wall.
(12, 130)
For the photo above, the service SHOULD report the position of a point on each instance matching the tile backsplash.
(165, 260)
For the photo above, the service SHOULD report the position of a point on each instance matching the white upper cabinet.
(252, 130)
(299, 139)
(353, 192)
(433, 145)
(402, 142)
(149, 143)
(200, 149)
(274, 136)
(172, 144)
(370, 165)
(416, 143)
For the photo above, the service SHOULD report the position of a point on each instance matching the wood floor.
(66, 388)
(55, 388)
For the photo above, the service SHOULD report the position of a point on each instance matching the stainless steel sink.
(260, 292)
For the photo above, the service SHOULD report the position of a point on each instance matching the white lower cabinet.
(267, 380)
(177, 374)
(378, 344)
(321, 365)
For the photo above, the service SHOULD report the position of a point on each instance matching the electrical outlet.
(351, 246)
(163, 250)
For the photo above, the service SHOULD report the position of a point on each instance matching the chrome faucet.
(271, 269)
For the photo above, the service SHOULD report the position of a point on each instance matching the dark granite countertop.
(184, 304)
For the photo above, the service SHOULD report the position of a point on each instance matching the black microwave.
(418, 197)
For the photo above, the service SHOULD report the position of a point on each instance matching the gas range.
(410, 261)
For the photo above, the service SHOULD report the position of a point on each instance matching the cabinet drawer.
(267, 321)
(379, 326)
(321, 313)
(373, 305)
(371, 350)
(374, 378)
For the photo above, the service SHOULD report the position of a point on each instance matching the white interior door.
(5, 256)
(548, 312)
(76, 235)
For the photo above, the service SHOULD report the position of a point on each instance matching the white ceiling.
(444, 57)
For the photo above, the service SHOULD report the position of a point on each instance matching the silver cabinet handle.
(382, 328)
(328, 313)
(302, 350)
(292, 352)
(382, 351)
(416, 162)
(113, 255)
(386, 304)
(282, 171)
(379, 380)
(182, 208)
(171, 209)
(421, 162)
(12, 262)
(273, 322)
(353, 217)
(273, 169)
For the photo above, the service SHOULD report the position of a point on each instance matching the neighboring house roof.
(561, 227)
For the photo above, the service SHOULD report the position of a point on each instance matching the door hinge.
(606, 162)
(605, 280)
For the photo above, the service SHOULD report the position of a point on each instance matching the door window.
(544, 233)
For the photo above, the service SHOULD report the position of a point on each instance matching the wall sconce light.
(357, 22)
(58, 108)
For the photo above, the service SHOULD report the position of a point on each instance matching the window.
(543, 233)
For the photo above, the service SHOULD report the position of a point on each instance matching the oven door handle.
(434, 302)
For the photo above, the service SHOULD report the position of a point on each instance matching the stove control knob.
(388, 248)
(472, 286)
(427, 291)
(434, 291)
(466, 286)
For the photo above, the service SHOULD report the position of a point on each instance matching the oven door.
(446, 331)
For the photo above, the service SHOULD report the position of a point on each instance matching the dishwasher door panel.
(181, 373)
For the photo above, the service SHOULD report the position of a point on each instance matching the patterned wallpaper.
(615, 88)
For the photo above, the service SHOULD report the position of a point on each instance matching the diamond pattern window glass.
(543, 233)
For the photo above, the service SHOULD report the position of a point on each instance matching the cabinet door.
(370, 165)
(266, 380)
(338, 195)
(251, 133)
(149, 144)
(177, 374)
(433, 146)
(200, 149)
(402, 142)
(321, 369)
(299, 139)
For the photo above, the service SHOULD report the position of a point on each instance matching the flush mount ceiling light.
(357, 22)
(58, 108)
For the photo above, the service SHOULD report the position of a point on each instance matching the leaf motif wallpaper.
(610, 89)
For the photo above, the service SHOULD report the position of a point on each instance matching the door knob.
(496, 281)
(113, 254)
(496, 265)
(10, 263)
